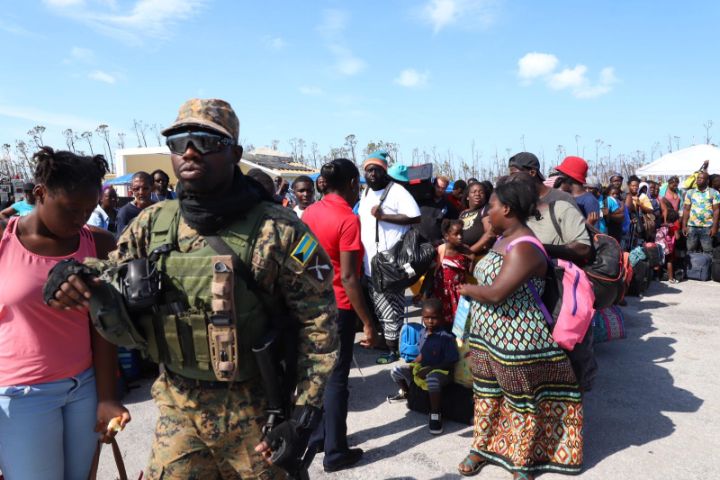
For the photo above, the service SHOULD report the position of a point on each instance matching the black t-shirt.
(473, 228)
(432, 214)
(124, 216)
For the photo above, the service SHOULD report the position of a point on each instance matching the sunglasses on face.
(203, 142)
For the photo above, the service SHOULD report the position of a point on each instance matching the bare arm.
(7, 213)
(575, 252)
(487, 240)
(520, 264)
(397, 219)
(350, 281)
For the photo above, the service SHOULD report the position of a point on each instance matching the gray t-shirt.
(569, 217)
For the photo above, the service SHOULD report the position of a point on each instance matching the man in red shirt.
(337, 229)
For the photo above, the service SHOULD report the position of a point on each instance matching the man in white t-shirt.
(393, 218)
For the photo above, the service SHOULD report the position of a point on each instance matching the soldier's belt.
(183, 382)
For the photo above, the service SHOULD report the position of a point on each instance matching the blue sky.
(422, 73)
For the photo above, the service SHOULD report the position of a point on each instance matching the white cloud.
(543, 66)
(466, 13)
(311, 90)
(535, 65)
(274, 43)
(332, 27)
(146, 18)
(569, 78)
(411, 78)
(333, 23)
(40, 117)
(101, 76)
(345, 62)
(82, 54)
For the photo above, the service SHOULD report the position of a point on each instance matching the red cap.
(575, 168)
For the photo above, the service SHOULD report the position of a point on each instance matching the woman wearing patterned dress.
(528, 407)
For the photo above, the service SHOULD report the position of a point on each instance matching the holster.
(222, 330)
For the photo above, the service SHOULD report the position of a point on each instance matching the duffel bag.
(606, 271)
(401, 266)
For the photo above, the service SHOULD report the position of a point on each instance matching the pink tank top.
(38, 344)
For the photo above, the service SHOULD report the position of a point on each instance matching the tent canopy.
(684, 162)
(121, 180)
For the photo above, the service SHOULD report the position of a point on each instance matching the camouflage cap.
(209, 113)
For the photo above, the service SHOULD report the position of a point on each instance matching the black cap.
(28, 187)
(526, 161)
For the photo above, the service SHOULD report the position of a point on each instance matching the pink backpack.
(567, 302)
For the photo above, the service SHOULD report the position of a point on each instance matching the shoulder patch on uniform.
(304, 249)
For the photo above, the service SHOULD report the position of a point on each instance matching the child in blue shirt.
(438, 354)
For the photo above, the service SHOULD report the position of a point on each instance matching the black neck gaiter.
(210, 214)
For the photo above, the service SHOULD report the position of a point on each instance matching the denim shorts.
(47, 430)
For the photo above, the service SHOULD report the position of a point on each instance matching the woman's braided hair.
(68, 171)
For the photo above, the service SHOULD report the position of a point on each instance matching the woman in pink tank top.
(57, 375)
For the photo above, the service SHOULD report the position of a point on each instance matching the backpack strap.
(377, 222)
(528, 239)
(554, 220)
(536, 295)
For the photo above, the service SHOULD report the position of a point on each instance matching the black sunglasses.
(203, 142)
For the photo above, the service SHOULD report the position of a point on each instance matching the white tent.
(684, 162)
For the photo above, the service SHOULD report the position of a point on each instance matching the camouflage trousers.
(207, 434)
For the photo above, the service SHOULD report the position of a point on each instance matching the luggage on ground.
(640, 281)
(606, 271)
(698, 266)
(715, 273)
(457, 402)
(608, 325)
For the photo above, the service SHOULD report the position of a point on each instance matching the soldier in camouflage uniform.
(212, 429)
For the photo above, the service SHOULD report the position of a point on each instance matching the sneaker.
(390, 357)
(401, 396)
(435, 424)
(353, 456)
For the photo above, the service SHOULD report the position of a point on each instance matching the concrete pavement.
(653, 413)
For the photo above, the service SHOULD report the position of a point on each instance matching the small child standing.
(452, 269)
(431, 369)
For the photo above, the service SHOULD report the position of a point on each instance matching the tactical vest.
(177, 329)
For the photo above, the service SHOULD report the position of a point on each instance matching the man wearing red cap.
(561, 226)
(573, 173)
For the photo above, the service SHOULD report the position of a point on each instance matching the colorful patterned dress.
(528, 408)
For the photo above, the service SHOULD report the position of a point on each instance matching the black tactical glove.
(289, 440)
(60, 273)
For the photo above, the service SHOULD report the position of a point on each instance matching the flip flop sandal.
(474, 466)
(523, 476)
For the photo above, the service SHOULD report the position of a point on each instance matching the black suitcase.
(715, 274)
(457, 402)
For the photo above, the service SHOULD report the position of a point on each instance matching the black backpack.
(606, 270)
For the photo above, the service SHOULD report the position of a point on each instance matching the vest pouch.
(152, 329)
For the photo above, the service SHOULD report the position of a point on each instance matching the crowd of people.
(310, 248)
